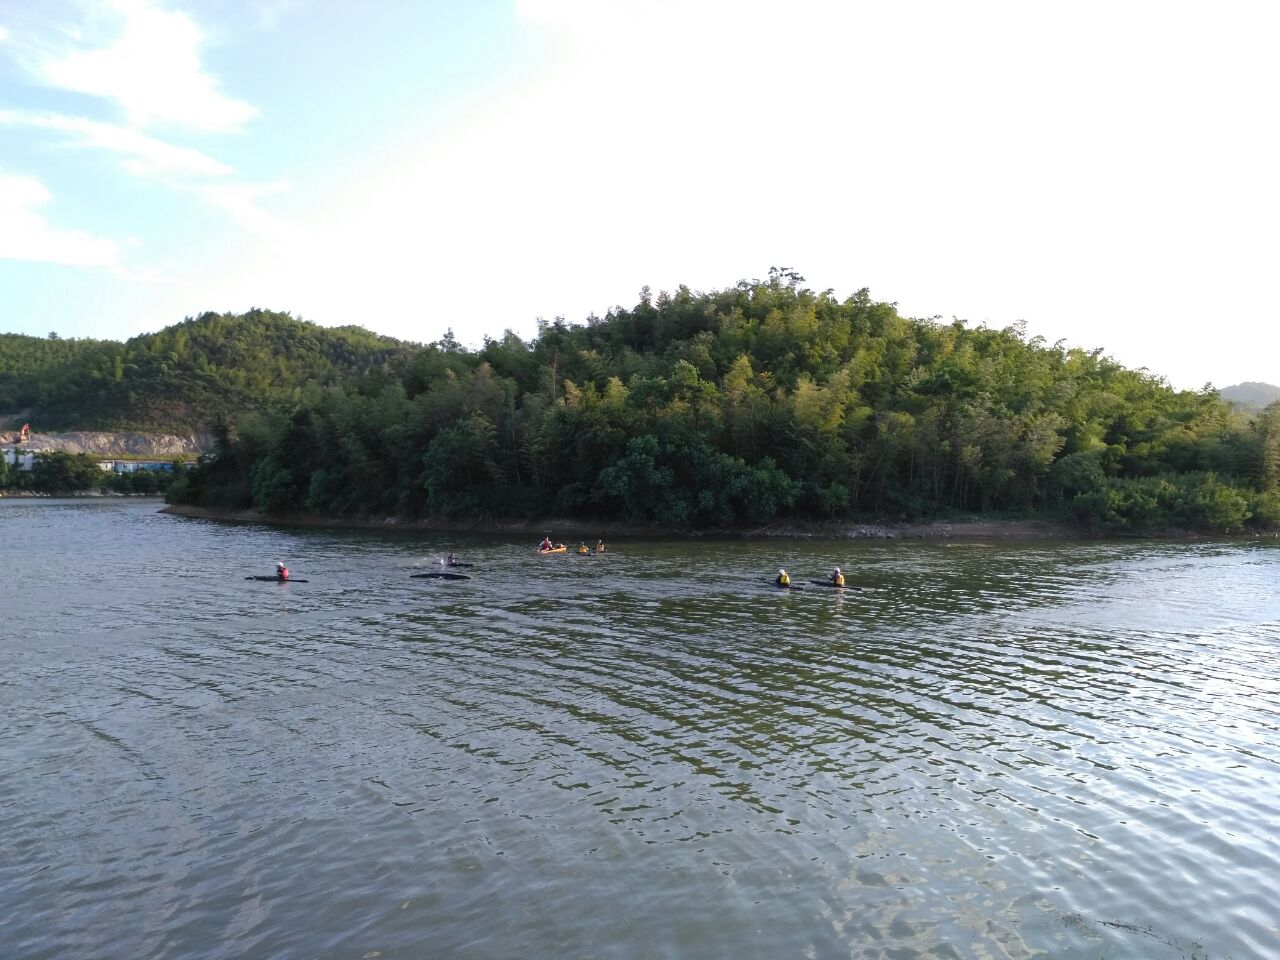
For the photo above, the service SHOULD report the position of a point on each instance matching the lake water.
(985, 750)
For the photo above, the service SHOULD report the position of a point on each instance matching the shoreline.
(74, 495)
(591, 530)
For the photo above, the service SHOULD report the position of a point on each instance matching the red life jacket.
(282, 573)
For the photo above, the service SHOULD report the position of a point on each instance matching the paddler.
(837, 578)
(599, 546)
(282, 572)
(449, 561)
(783, 580)
(545, 544)
(582, 548)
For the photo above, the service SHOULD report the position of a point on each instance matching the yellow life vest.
(784, 580)
(838, 580)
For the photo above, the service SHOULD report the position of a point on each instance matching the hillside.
(184, 377)
(1251, 396)
(743, 406)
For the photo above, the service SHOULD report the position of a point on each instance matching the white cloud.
(152, 69)
(140, 153)
(147, 59)
(26, 235)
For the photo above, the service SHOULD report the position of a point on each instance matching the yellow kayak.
(560, 549)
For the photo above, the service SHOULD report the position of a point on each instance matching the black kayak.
(828, 583)
(788, 586)
(457, 565)
(278, 580)
(440, 576)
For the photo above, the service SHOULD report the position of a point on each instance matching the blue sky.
(1103, 171)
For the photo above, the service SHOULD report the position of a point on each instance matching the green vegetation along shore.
(60, 473)
(737, 408)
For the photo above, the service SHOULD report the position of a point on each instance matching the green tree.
(461, 473)
(736, 406)
(66, 473)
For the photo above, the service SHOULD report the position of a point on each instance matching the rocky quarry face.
(118, 444)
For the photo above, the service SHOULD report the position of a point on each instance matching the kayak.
(278, 580)
(787, 586)
(452, 565)
(555, 550)
(440, 576)
(828, 583)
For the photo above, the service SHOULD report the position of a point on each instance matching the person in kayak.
(282, 572)
(582, 548)
(449, 561)
(783, 580)
(599, 546)
(545, 544)
(837, 578)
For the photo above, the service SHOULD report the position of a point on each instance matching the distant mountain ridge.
(1251, 395)
(184, 377)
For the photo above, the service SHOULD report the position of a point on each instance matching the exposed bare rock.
(125, 443)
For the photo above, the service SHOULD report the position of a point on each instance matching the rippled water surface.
(980, 750)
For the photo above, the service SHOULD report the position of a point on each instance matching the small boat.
(787, 586)
(440, 576)
(828, 583)
(278, 579)
(558, 548)
(457, 563)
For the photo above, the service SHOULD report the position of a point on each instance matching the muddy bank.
(570, 530)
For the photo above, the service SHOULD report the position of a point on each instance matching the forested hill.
(186, 376)
(746, 405)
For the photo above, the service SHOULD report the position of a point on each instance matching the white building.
(133, 466)
(24, 460)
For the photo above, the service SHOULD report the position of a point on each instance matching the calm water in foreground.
(983, 750)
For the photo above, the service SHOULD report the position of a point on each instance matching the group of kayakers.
(835, 578)
(546, 546)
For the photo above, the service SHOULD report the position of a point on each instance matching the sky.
(1105, 172)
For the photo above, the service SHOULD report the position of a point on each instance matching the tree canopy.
(738, 406)
(187, 375)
